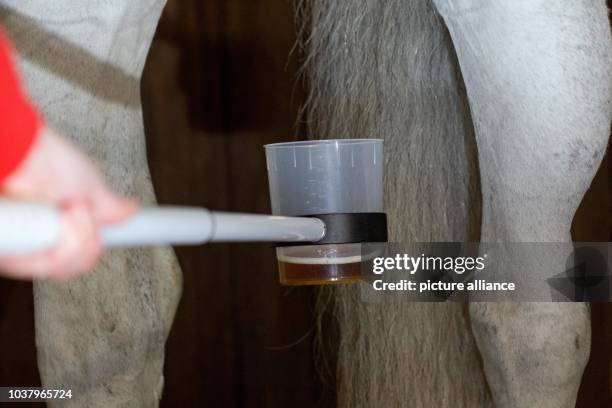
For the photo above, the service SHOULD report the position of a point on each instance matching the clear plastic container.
(323, 177)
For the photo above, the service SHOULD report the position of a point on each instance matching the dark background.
(219, 84)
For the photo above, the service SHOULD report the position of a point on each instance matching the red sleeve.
(19, 120)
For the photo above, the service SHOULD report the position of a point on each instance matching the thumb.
(108, 208)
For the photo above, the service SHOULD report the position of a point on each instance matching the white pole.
(233, 227)
(28, 228)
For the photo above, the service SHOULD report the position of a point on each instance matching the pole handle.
(34, 227)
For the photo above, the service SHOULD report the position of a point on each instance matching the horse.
(495, 117)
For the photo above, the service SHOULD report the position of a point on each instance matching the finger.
(27, 267)
(80, 248)
(108, 208)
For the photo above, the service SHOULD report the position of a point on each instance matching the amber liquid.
(294, 274)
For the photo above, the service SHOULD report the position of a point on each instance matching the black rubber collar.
(349, 228)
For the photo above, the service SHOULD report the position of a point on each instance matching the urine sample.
(319, 264)
(324, 177)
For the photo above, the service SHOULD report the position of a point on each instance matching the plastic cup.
(324, 177)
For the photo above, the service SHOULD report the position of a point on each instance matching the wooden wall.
(219, 85)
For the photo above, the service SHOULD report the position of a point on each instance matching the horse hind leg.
(539, 87)
(102, 336)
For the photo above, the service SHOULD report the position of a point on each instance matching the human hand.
(55, 171)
